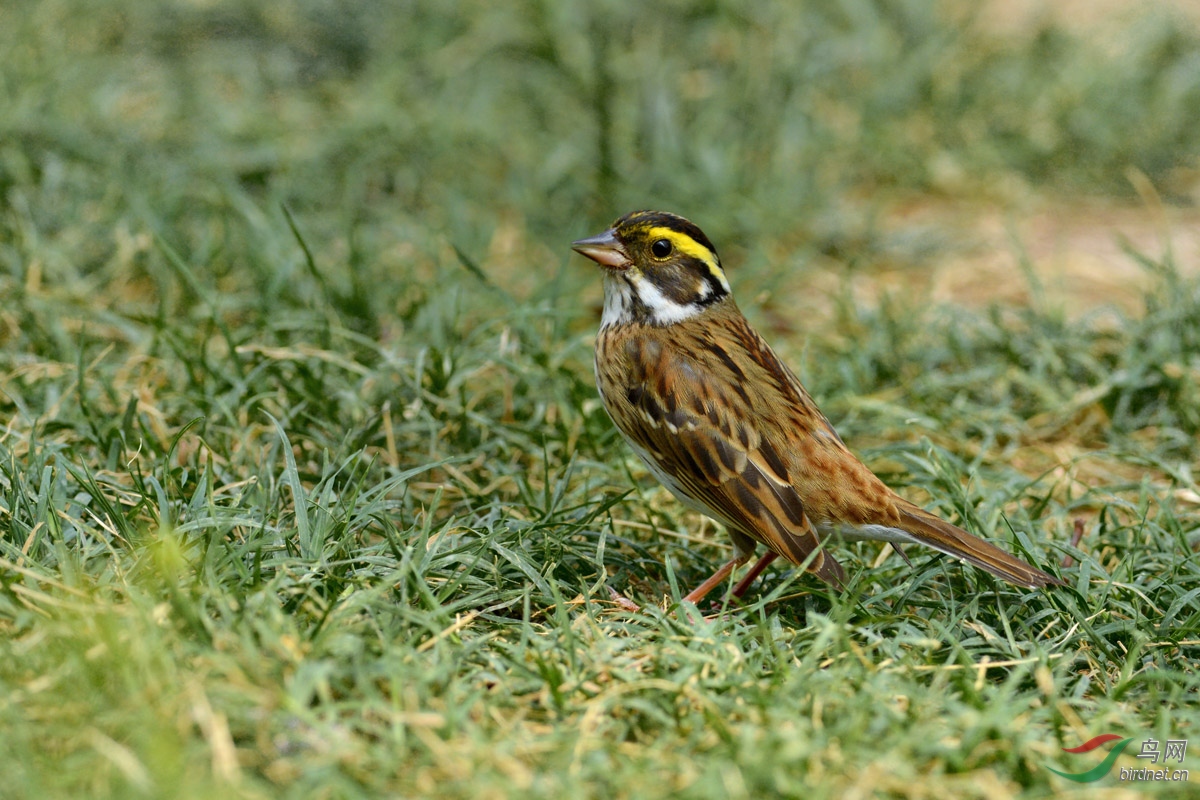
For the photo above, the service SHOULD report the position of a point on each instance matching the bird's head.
(659, 269)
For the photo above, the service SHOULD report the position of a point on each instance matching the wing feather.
(721, 463)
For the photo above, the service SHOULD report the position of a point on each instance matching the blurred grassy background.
(788, 120)
(353, 217)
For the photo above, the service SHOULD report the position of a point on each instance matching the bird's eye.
(661, 248)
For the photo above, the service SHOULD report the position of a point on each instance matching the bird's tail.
(934, 532)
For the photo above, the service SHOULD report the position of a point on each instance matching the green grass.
(305, 489)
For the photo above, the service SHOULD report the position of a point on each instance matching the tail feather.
(934, 532)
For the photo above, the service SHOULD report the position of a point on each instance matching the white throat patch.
(622, 290)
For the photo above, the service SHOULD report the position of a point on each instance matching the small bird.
(723, 423)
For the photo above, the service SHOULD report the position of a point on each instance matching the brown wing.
(679, 407)
(838, 490)
(798, 442)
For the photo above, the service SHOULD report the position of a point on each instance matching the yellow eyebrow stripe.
(682, 242)
(690, 247)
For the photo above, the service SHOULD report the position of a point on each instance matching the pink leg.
(697, 594)
(754, 572)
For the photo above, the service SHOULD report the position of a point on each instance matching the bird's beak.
(604, 249)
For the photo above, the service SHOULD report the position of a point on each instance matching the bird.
(728, 428)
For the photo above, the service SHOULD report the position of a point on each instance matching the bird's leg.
(755, 571)
(697, 594)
